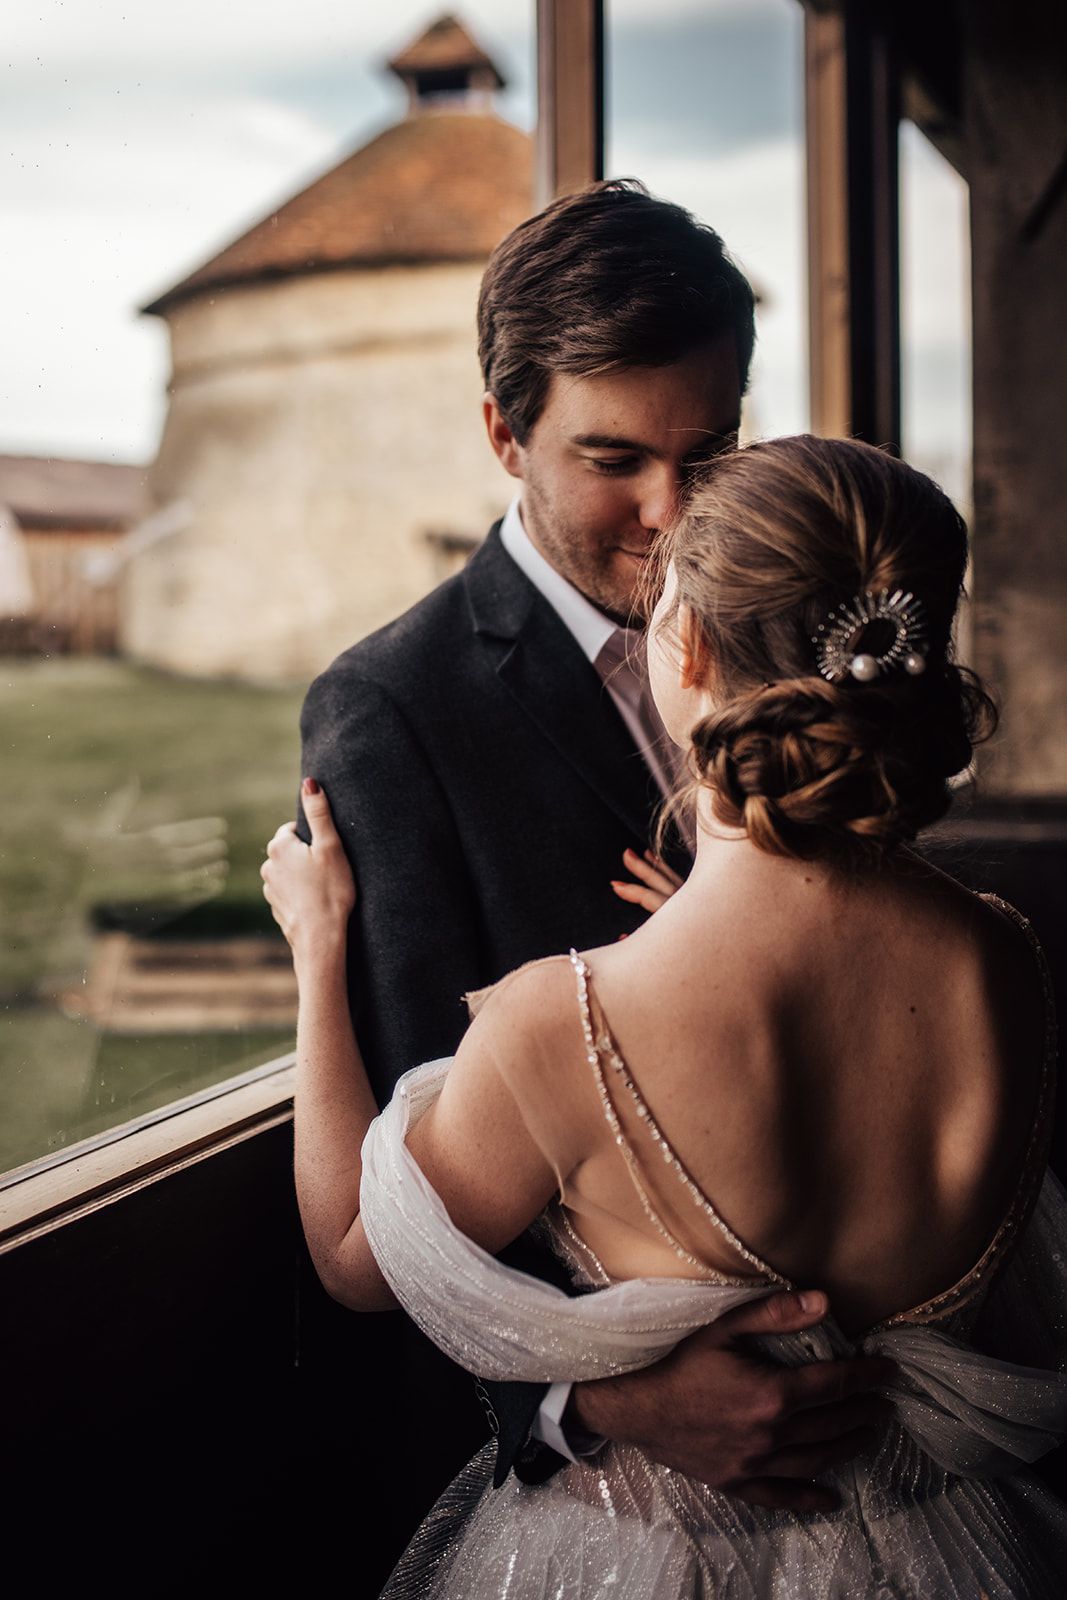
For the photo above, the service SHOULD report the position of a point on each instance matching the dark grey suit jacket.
(485, 788)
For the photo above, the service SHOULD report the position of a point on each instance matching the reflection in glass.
(138, 962)
(705, 105)
(201, 506)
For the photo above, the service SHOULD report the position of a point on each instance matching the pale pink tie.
(623, 669)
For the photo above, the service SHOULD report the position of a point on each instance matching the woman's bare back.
(849, 1070)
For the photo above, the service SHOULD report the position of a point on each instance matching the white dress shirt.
(618, 654)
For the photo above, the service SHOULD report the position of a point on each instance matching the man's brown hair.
(603, 280)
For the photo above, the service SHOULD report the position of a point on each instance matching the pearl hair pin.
(836, 638)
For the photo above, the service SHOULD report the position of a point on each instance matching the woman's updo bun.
(774, 538)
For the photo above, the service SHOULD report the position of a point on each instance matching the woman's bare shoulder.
(530, 1023)
(528, 1035)
(522, 990)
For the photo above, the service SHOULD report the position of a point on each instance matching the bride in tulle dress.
(820, 1062)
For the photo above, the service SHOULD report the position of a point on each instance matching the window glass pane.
(705, 105)
(935, 276)
(218, 468)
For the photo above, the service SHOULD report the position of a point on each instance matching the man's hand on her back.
(716, 1411)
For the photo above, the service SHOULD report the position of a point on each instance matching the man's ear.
(506, 447)
(695, 660)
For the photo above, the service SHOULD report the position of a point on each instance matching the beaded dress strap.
(1034, 1159)
(603, 1045)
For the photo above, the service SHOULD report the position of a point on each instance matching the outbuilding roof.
(56, 492)
(442, 186)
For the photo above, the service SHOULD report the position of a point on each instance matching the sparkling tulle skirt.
(623, 1528)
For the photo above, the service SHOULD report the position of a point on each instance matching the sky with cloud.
(136, 140)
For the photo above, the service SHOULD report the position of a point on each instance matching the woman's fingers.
(652, 872)
(638, 895)
(668, 872)
(281, 836)
(317, 811)
(656, 881)
(309, 889)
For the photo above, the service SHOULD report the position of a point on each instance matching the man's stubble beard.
(573, 560)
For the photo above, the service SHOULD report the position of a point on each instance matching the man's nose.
(659, 498)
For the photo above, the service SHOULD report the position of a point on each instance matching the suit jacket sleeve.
(415, 945)
(415, 942)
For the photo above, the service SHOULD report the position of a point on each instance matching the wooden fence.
(74, 615)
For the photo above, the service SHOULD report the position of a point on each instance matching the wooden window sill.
(69, 1184)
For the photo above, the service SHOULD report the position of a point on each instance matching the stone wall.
(326, 432)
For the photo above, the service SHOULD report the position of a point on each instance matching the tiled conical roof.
(443, 186)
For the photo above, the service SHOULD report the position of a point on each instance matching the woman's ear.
(695, 660)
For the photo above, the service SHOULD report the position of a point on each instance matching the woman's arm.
(312, 893)
(333, 1109)
(472, 1145)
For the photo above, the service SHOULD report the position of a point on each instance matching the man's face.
(608, 459)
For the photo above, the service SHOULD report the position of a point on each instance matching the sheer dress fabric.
(944, 1508)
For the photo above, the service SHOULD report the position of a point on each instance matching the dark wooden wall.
(149, 1359)
(1015, 123)
(183, 1403)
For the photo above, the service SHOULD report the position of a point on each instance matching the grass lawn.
(62, 1079)
(138, 800)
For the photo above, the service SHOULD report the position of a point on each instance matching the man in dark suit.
(490, 756)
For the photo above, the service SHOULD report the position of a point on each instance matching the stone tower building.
(324, 425)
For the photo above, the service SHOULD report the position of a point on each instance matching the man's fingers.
(820, 1424)
(788, 1312)
(783, 1494)
(808, 1461)
(823, 1383)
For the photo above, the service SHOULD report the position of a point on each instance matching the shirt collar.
(590, 627)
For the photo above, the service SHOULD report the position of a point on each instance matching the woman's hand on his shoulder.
(310, 888)
(656, 881)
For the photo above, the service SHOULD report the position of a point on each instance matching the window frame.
(67, 1184)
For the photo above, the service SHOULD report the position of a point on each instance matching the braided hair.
(770, 541)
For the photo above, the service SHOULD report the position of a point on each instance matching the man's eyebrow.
(612, 441)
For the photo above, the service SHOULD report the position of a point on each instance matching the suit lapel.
(544, 670)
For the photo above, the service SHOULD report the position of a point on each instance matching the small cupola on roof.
(444, 68)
